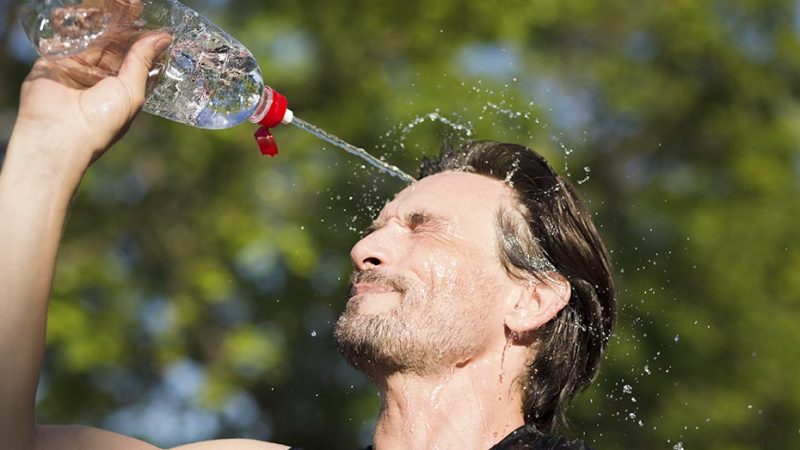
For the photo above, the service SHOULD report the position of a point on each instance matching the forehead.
(461, 198)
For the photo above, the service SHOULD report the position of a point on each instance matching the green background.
(198, 281)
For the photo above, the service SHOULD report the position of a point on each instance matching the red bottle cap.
(274, 116)
(266, 142)
(276, 111)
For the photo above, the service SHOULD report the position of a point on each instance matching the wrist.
(45, 155)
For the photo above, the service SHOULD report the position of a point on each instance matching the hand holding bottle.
(207, 79)
(64, 120)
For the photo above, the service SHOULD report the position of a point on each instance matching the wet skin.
(444, 293)
(438, 233)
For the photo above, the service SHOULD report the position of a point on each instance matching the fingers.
(78, 73)
(140, 59)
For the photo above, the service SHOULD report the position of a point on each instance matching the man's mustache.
(376, 277)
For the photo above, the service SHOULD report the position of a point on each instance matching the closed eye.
(417, 219)
(425, 221)
(414, 221)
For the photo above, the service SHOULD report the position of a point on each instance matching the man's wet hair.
(551, 232)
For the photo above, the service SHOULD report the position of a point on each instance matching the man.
(481, 300)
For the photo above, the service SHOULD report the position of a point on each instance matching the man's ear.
(538, 302)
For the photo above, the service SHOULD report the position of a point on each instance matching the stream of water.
(360, 152)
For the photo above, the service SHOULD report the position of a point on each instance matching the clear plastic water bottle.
(206, 78)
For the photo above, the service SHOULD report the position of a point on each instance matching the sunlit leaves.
(187, 254)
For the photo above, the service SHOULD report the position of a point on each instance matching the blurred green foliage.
(198, 282)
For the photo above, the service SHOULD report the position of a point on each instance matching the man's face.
(427, 287)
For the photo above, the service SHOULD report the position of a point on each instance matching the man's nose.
(372, 251)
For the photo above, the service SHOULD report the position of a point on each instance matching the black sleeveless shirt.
(527, 437)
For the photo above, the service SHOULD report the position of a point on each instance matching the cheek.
(468, 276)
(441, 270)
(448, 277)
(449, 271)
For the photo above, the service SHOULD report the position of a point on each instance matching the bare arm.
(61, 127)
(64, 123)
(85, 438)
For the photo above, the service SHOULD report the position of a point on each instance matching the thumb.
(139, 61)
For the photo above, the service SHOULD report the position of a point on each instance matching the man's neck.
(471, 407)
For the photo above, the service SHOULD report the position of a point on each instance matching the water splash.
(360, 152)
(587, 170)
(508, 112)
(465, 128)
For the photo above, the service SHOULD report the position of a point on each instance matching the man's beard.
(425, 333)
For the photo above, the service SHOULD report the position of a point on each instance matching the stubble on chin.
(377, 344)
(421, 335)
